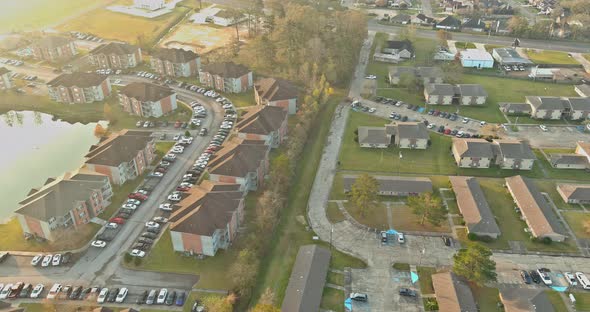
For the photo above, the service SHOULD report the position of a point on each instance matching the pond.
(34, 147)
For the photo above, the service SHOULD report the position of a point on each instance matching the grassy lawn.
(108, 25)
(401, 266)
(332, 299)
(490, 47)
(120, 195)
(405, 220)
(453, 208)
(487, 298)
(333, 212)
(557, 301)
(436, 159)
(425, 279)
(582, 301)
(163, 147)
(335, 278)
(550, 57)
(374, 218)
(559, 150)
(560, 174)
(12, 238)
(32, 14)
(576, 221)
(290, 234)
(587, 56)
(549, 187)
(464, 45)
(243, 99)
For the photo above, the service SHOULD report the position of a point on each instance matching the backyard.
(550, 57)
(332, 299)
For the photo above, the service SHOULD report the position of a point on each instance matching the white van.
(583, 280)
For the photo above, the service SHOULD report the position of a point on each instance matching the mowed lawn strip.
(332, 299)
(425, 279)
(557, 301)
(375, 218)
(405, 220)
(582, 300)
(487, 298)
(579, 222)
(550, 57)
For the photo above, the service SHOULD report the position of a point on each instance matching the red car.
(161, 169)
(177, 124)
(447, 131)
(183, 188)
(117, 220)
(137, 196)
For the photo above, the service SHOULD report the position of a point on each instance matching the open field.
(109, 25)
(490, 47)
(559, 174)
(582, 301)
(405, 220)
(550, 57)
(579, 222)
(332, 299)
(375, 217)
(34, 14)
(200, 38)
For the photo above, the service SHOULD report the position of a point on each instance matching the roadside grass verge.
(557, 301)
(335, 278)
(401, 266)
(405, 220)
(333, 213)
(550, 57)
(464, 45)
(332, 299)
(243, 99)
(374, 218)
(582, 300)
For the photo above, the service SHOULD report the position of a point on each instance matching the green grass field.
(33, 14)
(425, 279)
(332, 299)
(550, 57)
(490, 47)
(487, 298)
(109, 25)
(464, 45)
(244, 99)
(579, 222)
(582, 301)
(333, 213)
(557, 301)
(375, 217)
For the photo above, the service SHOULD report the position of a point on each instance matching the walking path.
(582, 60)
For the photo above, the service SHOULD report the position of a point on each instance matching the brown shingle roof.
(453, 293)
(275, 89)
(52, 42)
(78, 79)
(176, 55)
(534, 207)
(116, 48)
(473, 206)
(585, 146)
(226, 69)
(207, 207)
(473, 148)
(262, 120)
(237, 159)
(575, 191)
(146, 92)
(118, 148)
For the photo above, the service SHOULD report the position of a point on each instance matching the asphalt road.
(566, 46)
(103, 266)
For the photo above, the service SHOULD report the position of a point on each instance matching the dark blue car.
(180, 299)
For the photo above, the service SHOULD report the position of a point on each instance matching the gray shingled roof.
(52, 42)
(515, 149)
(373, 135)
(518, 299)
(308, 277)
(237, 158)
(579, 103)
(226, 69)
(78, 79)
(471, 90)
(474, 206)
(517, 107)
(276, 89)
(443, 89)
(453, 294)
(175, 55)
(473, 148)
(118, 148)
(115, 48)
(568, 159)
(575, 191)
(144, 91)
(511, 56)
(412, 130)
(546, 102)
(262, 120)
(584, 88)
(394, 184)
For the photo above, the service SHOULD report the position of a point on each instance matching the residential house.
(122, 156)
(476, 58)
(401, 18)
(471, 94)
(474, 25)
(427, 74)
(79, 87)
(394, 186)
(519, 299)
(386, 58)
(207, 218)
(449, 23)
(115, 55)
(515, 108)
(568, 161)
(374, 137)
(472, 153)
(404, 48)
(226, 77)
(545, 107)
(514, 154)
(422, 19)
(510, 57)
(474, 207)
(574, 193)
(398, 72)
(308, 278)
(452, 293)
(68, 201)
(538, 73)
(53, 48)
(444, 55)
(225, 18)
(266, 123)
(413, 135)
(147, 99)
(583, 90)
(536, 211)
(583, 148)
(577, 108)
(243, 162)
(151, 5)
(439, 93)
(175, 62)
(277, 92)
(5, 82)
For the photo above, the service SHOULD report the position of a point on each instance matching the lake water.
(33, 147)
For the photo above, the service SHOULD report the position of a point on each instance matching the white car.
(583, 280)
(121, 295)
(160, 219)
(372, 110)
(178, 150)
(56, 260)
(170, 156)
(545, 277)
(186, 184)
(571, 279)
(37, 291)
(112, 225)
(162, 296)
(174, 197)
(175, 138)
(137, 253)
(166, 207)
(543, 128)
(5, 291)
(133, 202)
(152, 225)
(156, 174)
(98, 244)
(482, 123)
(129, 206)
(55, 289)
(401, 238)
(46, 261)
(430, 126)
(465, 120)
(102, 295)
(118, 81)
(36, 259)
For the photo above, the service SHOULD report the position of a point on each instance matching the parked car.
(359, 297)
(180, 299)
(142, 297)
(26, 291)
(113, 295)
(36, 260)
(37, 291)
(137, 253)
(75, 293)
(5, 291)
(571, 279)
(535, 277)
(98, 244)
(544, 274)
(46, 261)
(54, 291)
(401, 238)
(149, 235)
(543, 128)
(151, 298)
(526, 278)
(121, 295)
(56, 260)
(407, 292)
(162, 296)
(171, 298)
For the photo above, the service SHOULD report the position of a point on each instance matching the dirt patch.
(200, 38)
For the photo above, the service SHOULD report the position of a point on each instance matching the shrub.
(472, 237)
(485, 239)
(547, 240)
(127, 258)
